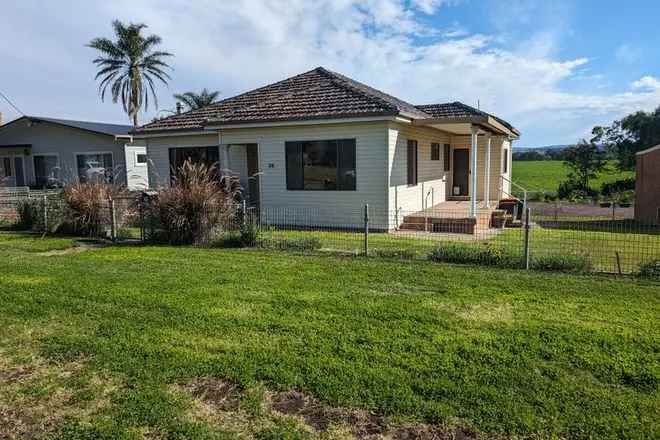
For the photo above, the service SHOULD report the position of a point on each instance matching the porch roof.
(458, 118)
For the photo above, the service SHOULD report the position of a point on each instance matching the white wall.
(65, 142)
(433, 182)
(320, 208)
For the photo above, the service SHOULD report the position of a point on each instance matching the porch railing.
(510, 194)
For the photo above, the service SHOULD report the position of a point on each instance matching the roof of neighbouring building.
(94, 127)
(317, 94)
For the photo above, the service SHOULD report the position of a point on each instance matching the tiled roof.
(316, 94)
(454, 110)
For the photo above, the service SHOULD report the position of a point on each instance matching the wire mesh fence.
(546, 238)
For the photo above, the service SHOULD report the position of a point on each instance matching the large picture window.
(95, 167)
(46, 170)
(327, 165)
(209, 156)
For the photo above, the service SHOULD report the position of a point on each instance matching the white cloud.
(235, 46)
(649, 83)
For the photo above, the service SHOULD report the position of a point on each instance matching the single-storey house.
(44, 152)
(313, 149)
(647, 186)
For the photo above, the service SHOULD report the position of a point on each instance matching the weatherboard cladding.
(317, 94)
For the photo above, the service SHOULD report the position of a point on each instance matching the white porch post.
(473, 168)
(487, 177)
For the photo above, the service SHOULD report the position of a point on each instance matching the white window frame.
(135, 157)
(89, 153)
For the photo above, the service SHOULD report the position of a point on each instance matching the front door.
(253, 174)
(461, 173)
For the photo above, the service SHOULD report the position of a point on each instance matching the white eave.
(463, 126)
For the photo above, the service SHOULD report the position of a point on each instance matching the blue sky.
(552, 68)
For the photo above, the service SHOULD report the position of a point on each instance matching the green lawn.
(545, 175)
(179, 342)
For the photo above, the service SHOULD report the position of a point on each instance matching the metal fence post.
(113, 221)
(45, 202)
(244, 212)
(526, 242)
(366, 230)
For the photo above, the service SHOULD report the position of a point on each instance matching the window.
(435, 151)
(505, 164)
(447, 157)
(6, 170)
(140, 159)
(321, 165)
(209, 156)
(412, 162)
(95, 167)
(46, 170)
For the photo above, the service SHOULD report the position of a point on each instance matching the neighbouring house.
(647, 186)
(45, 152)
(313, 149)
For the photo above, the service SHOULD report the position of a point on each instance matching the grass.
(114, 342)
(545, 175)
(601, 247)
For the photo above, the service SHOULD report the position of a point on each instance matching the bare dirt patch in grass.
(221, 403)
(35, 395)
(72, 250)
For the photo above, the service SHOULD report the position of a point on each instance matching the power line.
(11, 103)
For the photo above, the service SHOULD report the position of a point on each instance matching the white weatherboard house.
(43, 152)
(315, 148)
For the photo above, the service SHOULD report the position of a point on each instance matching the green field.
(545, 175)
(180, 342)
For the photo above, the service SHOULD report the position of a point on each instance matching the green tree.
(129, 66)
(584, 161)
(629, 135)
(193, 100)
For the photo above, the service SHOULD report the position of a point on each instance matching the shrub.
(621, 185)
(296, 244)
(249, 234)
(562, 263)
(87, 207)
(401, 254)
(486, 255)
(650, 269)
(573, 191)
(28, 213)
(196, 204)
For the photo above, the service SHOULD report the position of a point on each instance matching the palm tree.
(193, 100)
(129, 67)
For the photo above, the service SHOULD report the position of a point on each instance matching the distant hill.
(542, 149)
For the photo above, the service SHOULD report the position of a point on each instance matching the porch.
(456, 217)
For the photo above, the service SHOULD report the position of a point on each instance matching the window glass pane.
(346, 175)
(320, 165)
(95, 167)
(505, 166)
(412, 162)
(141, 158)
(294, 165)
(209, 156)
(435, 151)
(447, 157)
(46, 171)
